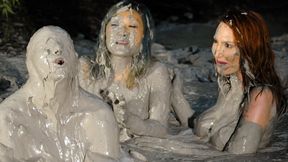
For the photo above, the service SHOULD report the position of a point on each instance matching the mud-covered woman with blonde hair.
(140, 88)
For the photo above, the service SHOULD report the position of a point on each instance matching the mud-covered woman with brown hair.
(250, 97)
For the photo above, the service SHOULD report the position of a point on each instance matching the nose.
(59, 61)
(57, 52)
(124, 32)
(217, 50)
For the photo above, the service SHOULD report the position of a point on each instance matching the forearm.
(179, 103)
(181, 107)
(91, 156)
(146, 127)
(246, 139)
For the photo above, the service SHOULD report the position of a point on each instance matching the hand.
(236, 85)
(231, 94)
(132, 121)
(228, 107)
(117, 103)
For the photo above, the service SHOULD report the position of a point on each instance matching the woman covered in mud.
(139, 88)
(250, 97)
(51, 118)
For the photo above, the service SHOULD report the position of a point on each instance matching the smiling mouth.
(122, 43)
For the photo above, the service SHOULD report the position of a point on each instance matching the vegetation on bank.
(7, 7)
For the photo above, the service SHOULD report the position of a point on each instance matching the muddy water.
(200, 93)
(201, 96)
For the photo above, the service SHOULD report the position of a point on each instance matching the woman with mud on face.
(50, 118)
(250, 94)
(138, 87)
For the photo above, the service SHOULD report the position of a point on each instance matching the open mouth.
(59, 61)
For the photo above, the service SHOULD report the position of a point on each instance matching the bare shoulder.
(158, 70)
(92, 103)
(261, 96)
(14, 101)
(99, 126)
(97, 112)
(260, 106)
(11, 105)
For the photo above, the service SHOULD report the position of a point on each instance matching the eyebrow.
(224, 41)
(229, 42)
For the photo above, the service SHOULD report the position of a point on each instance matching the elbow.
(242, 149)
(201, 129)
(151, 128)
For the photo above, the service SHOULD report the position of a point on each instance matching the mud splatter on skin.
(148, 101)
(51, 118)
(225, 51)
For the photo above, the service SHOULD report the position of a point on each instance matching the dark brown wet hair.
(256, 56)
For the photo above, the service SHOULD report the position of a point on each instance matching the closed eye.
(132, 26)
(114, 24)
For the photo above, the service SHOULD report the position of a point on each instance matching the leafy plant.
(7, 7)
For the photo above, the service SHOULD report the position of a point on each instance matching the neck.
(239, 75)
(121, 65)
(50, 92)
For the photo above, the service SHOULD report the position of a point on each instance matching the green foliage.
(7, 6)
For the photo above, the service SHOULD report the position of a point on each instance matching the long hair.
(256, 56)
(102, 67)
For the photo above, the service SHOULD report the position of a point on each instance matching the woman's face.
(226, 51)
(53, 58)
(124, 33)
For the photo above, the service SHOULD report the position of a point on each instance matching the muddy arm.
(148, 127)
(86, 80)
(160, 99)
(257, 116)
(102, 133)
(179, 103)
(6, 151)
(159, 105)
(225, 111)
(246, 139)
(92, 157)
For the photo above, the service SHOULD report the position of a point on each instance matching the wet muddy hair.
(256, 56)
(102, 67)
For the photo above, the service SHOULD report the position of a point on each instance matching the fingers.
(236, 84)
(117, 103)
(104, 93)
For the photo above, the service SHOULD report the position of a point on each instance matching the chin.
(58, 75)
(226, 71)
(226, 74)
(123, 54)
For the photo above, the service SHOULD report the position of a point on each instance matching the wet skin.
(124, 33)
(225, 51)
(227, 57)
(147, 104)
(51, 118)
(219, 121)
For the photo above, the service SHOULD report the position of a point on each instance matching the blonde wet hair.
(140, 62)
